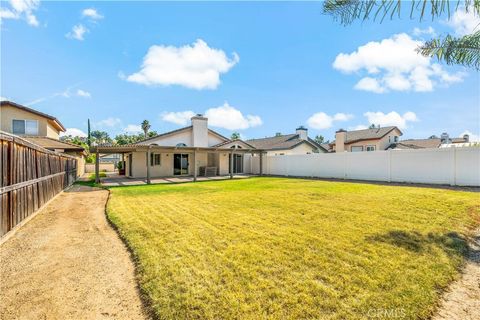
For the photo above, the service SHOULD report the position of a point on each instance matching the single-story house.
(190, 151)
(38, 128)
(433, 142)
(365, 140)
(295, 143)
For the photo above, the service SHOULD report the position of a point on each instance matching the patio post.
(261, 163)
(148, 165)
(194, 165)
(231, 163)
(97, 166)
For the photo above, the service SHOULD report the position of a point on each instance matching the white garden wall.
(453, 166)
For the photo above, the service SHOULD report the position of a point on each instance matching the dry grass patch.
(290, 248)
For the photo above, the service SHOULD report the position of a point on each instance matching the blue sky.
(255, 68)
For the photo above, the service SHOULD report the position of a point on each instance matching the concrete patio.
(114, 180)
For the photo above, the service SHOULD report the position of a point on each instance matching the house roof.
(55, 121)
(177, 131)
(110, 148)
(51, 144)
(423, 143)
(282, 142)
(368, 134)
(233, 141)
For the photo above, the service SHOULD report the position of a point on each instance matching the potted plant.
(121, 168)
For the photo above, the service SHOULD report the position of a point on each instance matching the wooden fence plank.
(29, 177)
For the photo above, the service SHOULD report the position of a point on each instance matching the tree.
(152, 134)
(319, 139)
(235, 136)
(451, 50)
(101, 136)
(145, 127)
(89, 137)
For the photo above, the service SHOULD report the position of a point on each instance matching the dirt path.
(68, 263)
(462, 300)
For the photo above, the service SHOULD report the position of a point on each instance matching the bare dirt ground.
(68, 263)
(462, 300)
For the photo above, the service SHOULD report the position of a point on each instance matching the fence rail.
(29, 176)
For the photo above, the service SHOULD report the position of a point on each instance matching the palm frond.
(347, 11)
(462, 51)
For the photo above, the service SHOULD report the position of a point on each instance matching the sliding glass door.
(180, 164)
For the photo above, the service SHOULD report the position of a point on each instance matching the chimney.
(340, 137)
(199, 131)
(302, 132)
(444, 138)
(466, 137)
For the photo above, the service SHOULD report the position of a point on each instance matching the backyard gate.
(29, 176)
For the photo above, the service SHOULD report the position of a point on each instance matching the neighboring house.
(39, 128)
(433, 142)
(193, 150)
(365, 140)
(295, 143)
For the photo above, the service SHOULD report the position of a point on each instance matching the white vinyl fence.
(453, 166)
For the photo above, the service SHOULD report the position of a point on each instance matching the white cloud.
(21, 9)
(472, 136)
(427, 31)
(78, 32)
(133, 128)
(92, 14)
(321, 120)
(369, 84)
(225, 116)
(464, 22)
(181, 118)
(83, 93)
(228, 117)
(195, 66)
(358, 127)
(109, 122)
(394, 64)
(391, 119)
(74, 132)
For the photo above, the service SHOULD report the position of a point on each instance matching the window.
(155, 159)
(395, 138)
(357, 149)
(181, 144)
(29, 127)
(370, 148)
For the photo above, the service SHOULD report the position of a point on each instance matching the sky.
(256, 68)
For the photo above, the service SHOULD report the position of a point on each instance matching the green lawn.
(276, 248)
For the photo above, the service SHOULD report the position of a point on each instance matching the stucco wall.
(165, 169)
(174, 139)
(106, 167)
(8, 113)
(184, 137)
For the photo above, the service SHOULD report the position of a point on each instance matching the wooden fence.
(29, 176)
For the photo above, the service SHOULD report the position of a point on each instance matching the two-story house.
(39, 128)
(365, 140)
